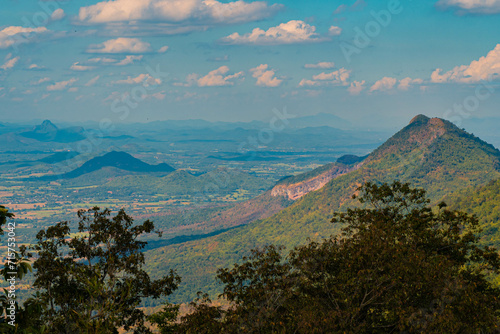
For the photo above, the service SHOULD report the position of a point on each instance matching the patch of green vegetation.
(484, 202)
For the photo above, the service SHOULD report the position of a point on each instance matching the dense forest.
(397, 265)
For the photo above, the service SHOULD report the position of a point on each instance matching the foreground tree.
(93, 281)
(13, 317)
(397, 266)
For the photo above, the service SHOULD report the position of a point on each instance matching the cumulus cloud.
(111, 61)
(42, 80)
(159, 95)
(35, 67)
(216, 77)
(338, 77)
(128, 60)
(163, 49)
(176, 12)
(486, 68)
(92, 81)
(144, 79)
(10, 63)
(121, 45)
(471, 6)
(77, 67)
(356, 87)
(384, 84)
(265, 77)
(387, 83)
(14, 35)
(294, 31)
(406, 83)
(103, 60)
(322, 65)
(57, 15)
(61, 85)
(334, 31)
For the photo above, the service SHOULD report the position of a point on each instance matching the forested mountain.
(430, 153)
(119, 160)
(48, 132)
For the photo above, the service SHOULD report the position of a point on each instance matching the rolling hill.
(119, 160)
(430, 153)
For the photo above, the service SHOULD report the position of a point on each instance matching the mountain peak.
(420, 119)
(46, 127)
(425, 134)
(120, 160)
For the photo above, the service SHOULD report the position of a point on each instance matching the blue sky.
(376, 63)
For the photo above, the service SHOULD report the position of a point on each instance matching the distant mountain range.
(119, 160)
(317, 120)
(430, 153)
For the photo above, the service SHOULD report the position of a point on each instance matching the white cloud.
(92, 81)
(121, 45)
(216, 77)
(73, 89)
(163, 49)
(35, 67)
(322, 65)
(338, 77)
(58, 14)
(144, 79)
(387, 84)
(159, 95)
(77, 67)
(42, 80)
(356, 87)
(486, 68)
(102, 60)
(176, 11)
(62, 84)
(294, 31)
(265, 77)
(406, 83)
(14, 35)
(10, 63)
(334, 31)
(384, 84)
(471, 6)
(128, 60)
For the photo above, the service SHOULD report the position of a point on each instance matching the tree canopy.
(93, 281)
(398, 266)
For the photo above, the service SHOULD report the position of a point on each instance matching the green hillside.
(484, 202)
(429, 153)
(219, 182)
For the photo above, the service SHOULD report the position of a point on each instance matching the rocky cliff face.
(297, 190)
